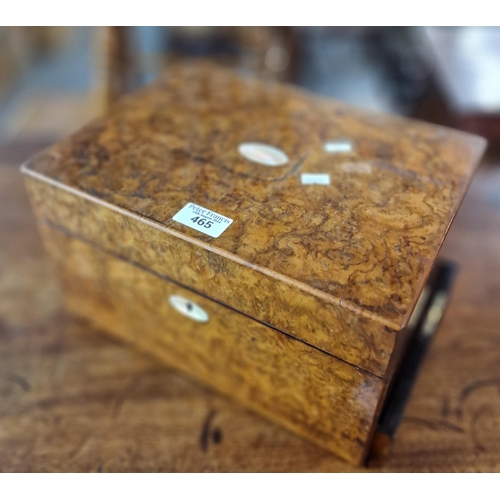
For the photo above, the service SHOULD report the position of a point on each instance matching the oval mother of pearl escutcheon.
(188, 308)
(264, 154)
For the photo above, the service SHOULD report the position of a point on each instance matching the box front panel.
(308, 391)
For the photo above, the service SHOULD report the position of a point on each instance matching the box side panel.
(305, 390)
(358, 340)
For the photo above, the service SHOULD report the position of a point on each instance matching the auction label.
(203, 220)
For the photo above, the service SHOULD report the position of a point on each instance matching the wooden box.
(269, 243)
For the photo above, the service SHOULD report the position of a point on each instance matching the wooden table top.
(72, 399)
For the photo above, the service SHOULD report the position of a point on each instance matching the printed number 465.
(202, 222)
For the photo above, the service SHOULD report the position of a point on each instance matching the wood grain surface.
(308, 391)
(350, 258)
(357, 339)
(72, 399)
(341, 265)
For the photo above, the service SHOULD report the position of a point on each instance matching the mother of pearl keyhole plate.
(188, 308)
(264, 154)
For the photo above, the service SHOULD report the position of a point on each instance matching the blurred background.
(54, 79)
(71, 399)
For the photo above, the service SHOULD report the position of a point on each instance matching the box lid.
(333, 233)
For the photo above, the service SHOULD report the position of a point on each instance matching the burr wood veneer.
(307, 288)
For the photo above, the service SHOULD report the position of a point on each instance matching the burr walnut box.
(267, 242)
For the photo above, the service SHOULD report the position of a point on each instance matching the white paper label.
(203, 220)
(323, 179)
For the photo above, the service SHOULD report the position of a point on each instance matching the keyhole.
(189, 309)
